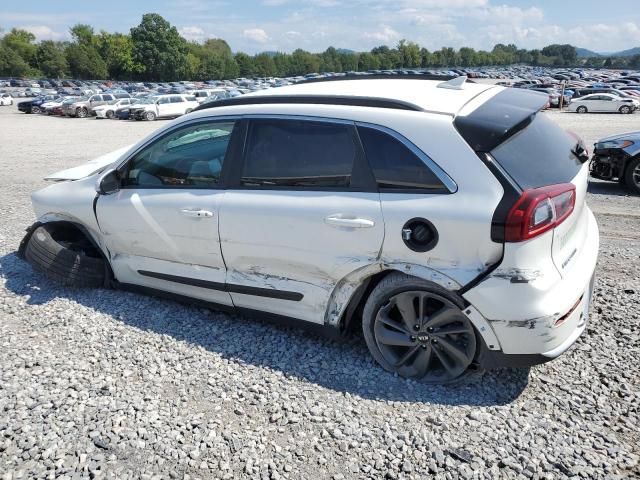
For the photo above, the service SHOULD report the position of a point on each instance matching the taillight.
(539, 210)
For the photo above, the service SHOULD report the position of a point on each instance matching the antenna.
(454, 83)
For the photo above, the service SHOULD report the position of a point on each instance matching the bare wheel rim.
(423, 335)
(635, 175)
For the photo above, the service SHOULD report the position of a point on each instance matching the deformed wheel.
(416, 329)
(65, 255)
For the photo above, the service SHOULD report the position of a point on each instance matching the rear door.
(300, 215)
(164, 107)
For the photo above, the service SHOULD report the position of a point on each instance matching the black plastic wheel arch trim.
(225, 287)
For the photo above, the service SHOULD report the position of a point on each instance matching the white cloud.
(256, 34)
(384, 34)
(43, 32)
(195, 34)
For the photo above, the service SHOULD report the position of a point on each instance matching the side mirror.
(108, 183)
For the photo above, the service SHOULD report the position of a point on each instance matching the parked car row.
(581, 90)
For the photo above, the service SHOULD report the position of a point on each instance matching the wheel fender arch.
(54, 218)
(349, 291)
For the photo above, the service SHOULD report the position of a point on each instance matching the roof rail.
(378, 76)
(353, 101)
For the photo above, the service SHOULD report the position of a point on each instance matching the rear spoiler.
(499, 118)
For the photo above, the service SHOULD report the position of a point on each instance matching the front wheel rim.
(635, 175)
(423, 335)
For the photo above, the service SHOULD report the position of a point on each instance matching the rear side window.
(539, 155)
(394, 165)
(299, 153)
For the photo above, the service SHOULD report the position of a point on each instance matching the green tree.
(160, 48)
(117, 51)
(409, 53)
(468, 57)
(245, 64)
(51, 59)
(85, 62)
(264, 66)
(22, 44)
(12, 64)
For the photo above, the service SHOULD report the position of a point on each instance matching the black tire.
(82, 112)
(65, 255)
(110, 114)
(625, 109)
(150, 116)
(582, 109)
(632, 175)
(421, 351)
(35, 109)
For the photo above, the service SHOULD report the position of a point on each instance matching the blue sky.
(258, 25)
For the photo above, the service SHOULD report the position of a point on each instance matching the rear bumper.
(538, 317)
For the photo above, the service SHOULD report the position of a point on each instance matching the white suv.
(164, 106)
(448, 219)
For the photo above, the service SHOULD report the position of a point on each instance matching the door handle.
(196, 213)
(348, 221)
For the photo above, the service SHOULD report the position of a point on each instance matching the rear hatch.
(543, 154)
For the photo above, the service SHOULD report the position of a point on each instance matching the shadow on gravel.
(607, 188)
(340, 366)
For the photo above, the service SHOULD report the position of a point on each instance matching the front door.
(298, 219)
(161, 228)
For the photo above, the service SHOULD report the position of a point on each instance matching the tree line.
(155, 51)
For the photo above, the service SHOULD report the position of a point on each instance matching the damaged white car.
(446, 219)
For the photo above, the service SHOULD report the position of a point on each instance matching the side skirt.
(315, 328)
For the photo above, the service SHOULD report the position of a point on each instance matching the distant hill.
(627, 53)
(585, 53)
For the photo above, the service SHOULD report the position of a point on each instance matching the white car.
(6, 99)
(446, 219)
(603, 102)
(108, 110)
(164, 106)
(209, 94)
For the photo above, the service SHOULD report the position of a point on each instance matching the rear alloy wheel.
(150, 116)
(110, 114)
(415, 329)
(632, 175)
(582, 109)
(81, 112)
(625, 109)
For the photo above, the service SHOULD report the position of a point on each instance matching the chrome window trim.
(438, 171)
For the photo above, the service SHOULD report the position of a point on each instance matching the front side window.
(395, 166)
(189, 157)
(298, 153)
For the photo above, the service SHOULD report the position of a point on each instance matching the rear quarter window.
(539, 155)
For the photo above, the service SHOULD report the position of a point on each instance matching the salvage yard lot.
(113, 382)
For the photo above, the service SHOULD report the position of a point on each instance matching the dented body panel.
(523, 304)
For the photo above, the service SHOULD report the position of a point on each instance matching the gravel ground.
(115, 385)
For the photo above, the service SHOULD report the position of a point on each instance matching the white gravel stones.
(107, 384)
